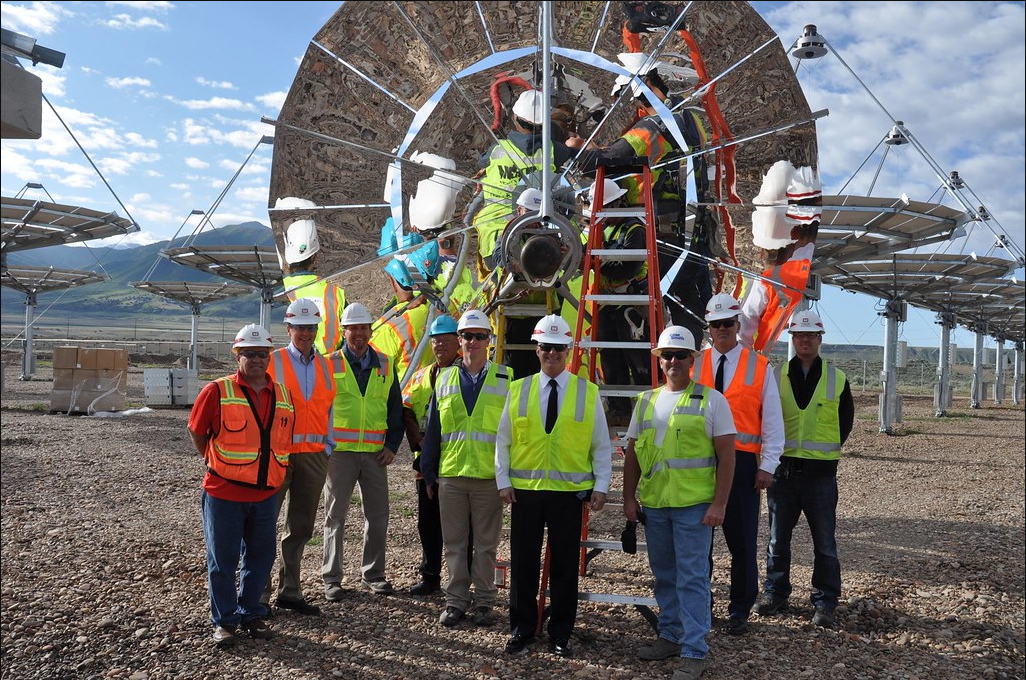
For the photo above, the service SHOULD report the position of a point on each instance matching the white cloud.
(214, 103)
(35, 19)
(135, 139)
(171, 135)
(256, 194)
(154, 173)
(178, 186)
(154, 61)
(64, 174)
(196, 163)
(272, 101)
(53, 80)
(88, 71)
(123, 163)
(131, 81)
(126, 22)
(143, 5)
(245, 135)
(217, 84)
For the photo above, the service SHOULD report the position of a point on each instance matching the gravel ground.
(103, 570)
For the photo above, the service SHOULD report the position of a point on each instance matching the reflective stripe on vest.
(468, 439)
(615, 237)
(744, 393)
(815, 431)
(242, 450)
(560, 460)
(680, 472)
(310, 433)
(360, 420)
(507, 166)
(331, 300)
(647, 140)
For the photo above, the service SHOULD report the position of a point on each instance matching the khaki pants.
(346, 469)
(463, 500)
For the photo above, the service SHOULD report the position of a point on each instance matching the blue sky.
(167, 98)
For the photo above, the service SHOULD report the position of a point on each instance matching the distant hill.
(115, 297)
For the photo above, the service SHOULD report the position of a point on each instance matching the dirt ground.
(103, 566)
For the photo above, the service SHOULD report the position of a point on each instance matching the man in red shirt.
(242, 426)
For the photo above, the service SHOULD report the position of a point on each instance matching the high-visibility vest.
(507, 165)
(815, 431)
(781, 302)
(560, 460)
(614, 237)
(310, 433)
(243, 450)
(744, 393)
(647, 140)
(682, 471)
(462, 292)
(468, 439)
(331, 300)
(360, 420)
(398, 337)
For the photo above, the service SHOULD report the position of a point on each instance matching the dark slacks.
(741, 532)
(533, 511)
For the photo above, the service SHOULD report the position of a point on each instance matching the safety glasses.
(254, 353)
(722, 323)
(670, 356)
(546, 347)
(468, 336)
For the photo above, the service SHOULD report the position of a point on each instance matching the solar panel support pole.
(976, 398)
(28, 357)
(1017, 375)
(888, 376)
(999, 371)
(942, 390)
(194, 339)
(266, 297)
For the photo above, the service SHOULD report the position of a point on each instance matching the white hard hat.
(675, 337)
(806, 321)
(355, 314)
(474, 318)
(635, 63)
(553, 329)
(610, 192)
(722, 306)
(433, 205)
(303, 312)
(252, 335)
(529, 107)
(531, 199)
(301, 241)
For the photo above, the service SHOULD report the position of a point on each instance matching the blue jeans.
(787, 499)
(233, 530)
(678, 551)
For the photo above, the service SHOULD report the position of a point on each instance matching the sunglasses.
(474, 336)
(254, 353)
(301, 329)
(722, 323)
(546, 347)
(679, 356)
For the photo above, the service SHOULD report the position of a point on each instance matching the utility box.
(170, 387)
(22, 99)
(901, 356)
(80, 387)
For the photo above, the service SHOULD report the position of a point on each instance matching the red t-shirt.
(206, 419)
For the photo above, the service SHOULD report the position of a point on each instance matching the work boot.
(689, 669)
(824, 618)
(426, 586)
(770, 605)
(661, 649)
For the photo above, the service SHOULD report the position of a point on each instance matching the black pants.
(561, 512)
(429, 526)
(741, 531)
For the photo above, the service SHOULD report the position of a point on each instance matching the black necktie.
(719, 373)
(553, 411)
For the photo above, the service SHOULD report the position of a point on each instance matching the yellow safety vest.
(681, 472)
(331, 300)
(360, 421)
(560, 460)
(648, 141)
(815, 431)
(468, 439)
(398, 338)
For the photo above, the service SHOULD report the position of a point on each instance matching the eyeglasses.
(670, 356)
(721, 323)
(302, 329)
(546, 347)
(474, 336)
(254, 353)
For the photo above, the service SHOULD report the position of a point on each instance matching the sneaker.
(223, 636)
(333, 592)
(770, 605)
(257, 629)
(736, 626)
(483, 616)
(378, 586)
(824, 618)
(662, 649)
(300, 606)
(450, 617)
(689, 669)
(425, 587)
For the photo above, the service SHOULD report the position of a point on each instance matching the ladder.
(591, 300)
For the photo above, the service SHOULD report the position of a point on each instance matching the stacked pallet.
(86, 380)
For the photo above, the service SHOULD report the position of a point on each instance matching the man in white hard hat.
(302, 246)
(307, 375)
(744, 377)
(818, 416)
(680, 466)
(552, 454)
(458, 456)
(367, 427)
(242, 425)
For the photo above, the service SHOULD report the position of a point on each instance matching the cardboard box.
(111, 359)
(116, 377)
(79, 401)
(64, 378)
(65, 357)
(86, 358)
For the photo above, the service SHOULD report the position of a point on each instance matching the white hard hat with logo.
(301, 242)
(554, 330)
(303, 312)
(675, 338)
(529, 107)
(611, 191)
(474, 318)
(252, 335)
(531, 199)
(722, 306)
(355, 314)
(806, 321)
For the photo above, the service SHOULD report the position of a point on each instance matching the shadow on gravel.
(918, 461)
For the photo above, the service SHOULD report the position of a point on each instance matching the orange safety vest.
(780, 303)
(243, 451)
(744, 394)
(310, 434)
